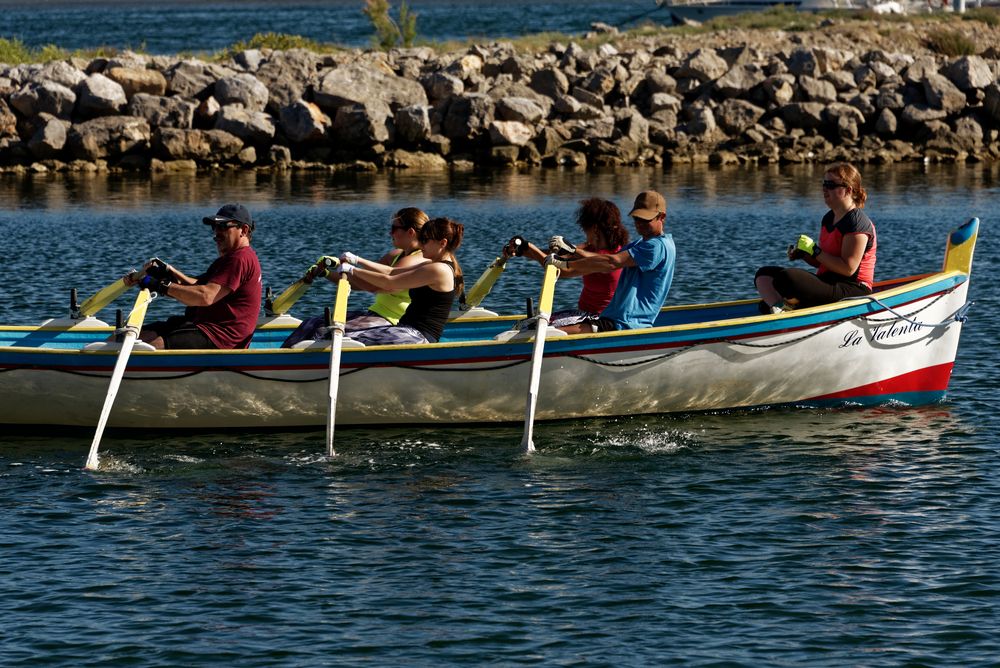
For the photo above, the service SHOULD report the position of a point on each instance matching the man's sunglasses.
(224, 226)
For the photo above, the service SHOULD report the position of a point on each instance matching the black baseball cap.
(236, 213)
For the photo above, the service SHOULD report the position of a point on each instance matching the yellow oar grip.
(340, 303)
(138, 313)
(548, 290)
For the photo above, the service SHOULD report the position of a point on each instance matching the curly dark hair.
(605, 216)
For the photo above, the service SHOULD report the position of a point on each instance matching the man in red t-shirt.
(223, 303)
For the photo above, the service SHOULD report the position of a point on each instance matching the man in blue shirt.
(647, 270)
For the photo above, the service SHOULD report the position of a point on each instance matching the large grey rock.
(734, 116)
(969, 73)
(739, 80)
(519, 109)
(803, 62)
(658, 81)
(886, 124)
(600, 82)
(242, 89)
(287, 75)
(253, 127)
(991, 103)
(60, 72)
(159, 111)
(362, 126)
(468, 116)
(661, 101)
(49, 138)
(803, 114)
(108, 137)
(202, 145)
(567, 105)
(194, 78)
(465, 66)
(845, 120)
(917, 71)
(304, 121)
(969, 133)
(841, 80)
(249, 59)
(701, 121)
(817, 90)
(441, 86)
(632, 126)
(550, 81)
(510, 133)
(8, 121)
(890, 97)
(99, 96)
(413, 124)
(46, 97)
(915, 114)
(150, 82)
(778, 89)
(943, 94)
(422, 161)
(358, 84)
(703, 65)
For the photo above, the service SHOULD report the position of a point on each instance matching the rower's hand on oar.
(343, 268)
(559, 245)
(348, 258)
(156, 285)
(158, 269)
(321, 269)
(515, 247)
(556, 261)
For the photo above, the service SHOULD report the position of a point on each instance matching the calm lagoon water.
(782, 537)
(184, 26)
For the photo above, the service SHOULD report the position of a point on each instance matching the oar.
(132, 327)
(339, 318)
(295, 291)
(103, 297)
(477, 293)
(542, 323)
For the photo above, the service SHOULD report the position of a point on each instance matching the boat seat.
(320, 344)
(528, 334)
(280, 320)
(475, 312)
(100, 346)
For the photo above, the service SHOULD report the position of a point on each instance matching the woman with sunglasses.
(433, 286)
(844, 256)
(388, 307)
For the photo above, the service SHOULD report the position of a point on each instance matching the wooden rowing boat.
(898, 345)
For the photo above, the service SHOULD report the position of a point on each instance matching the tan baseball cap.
(648, 205)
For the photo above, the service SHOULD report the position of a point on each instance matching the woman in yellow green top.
(388, 307)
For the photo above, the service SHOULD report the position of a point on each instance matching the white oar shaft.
(538, 354)
(132, 328)
(336, 347)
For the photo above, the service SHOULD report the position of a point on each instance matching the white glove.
(343, 268)
(349, 258)
(558, 245)
(556, 261)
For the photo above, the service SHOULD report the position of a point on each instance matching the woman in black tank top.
(433, 287)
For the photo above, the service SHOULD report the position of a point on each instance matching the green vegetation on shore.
(940, 34)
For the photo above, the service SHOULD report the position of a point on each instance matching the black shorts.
(810, 289)
(179, 333)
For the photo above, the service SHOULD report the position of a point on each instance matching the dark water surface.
(176, 26)
(769, 538)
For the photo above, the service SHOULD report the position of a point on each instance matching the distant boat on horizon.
(705, 10)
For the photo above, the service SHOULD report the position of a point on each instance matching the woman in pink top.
(601, 222)
(844, 256)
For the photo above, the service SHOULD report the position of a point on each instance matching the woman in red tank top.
(844, 256)
(601, 222)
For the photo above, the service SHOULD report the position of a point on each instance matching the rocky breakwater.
(645, 102)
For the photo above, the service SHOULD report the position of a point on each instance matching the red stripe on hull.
(931, 379)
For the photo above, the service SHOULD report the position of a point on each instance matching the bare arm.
(596, 263)
(198, 295)
(436, 275)
(852, 249)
